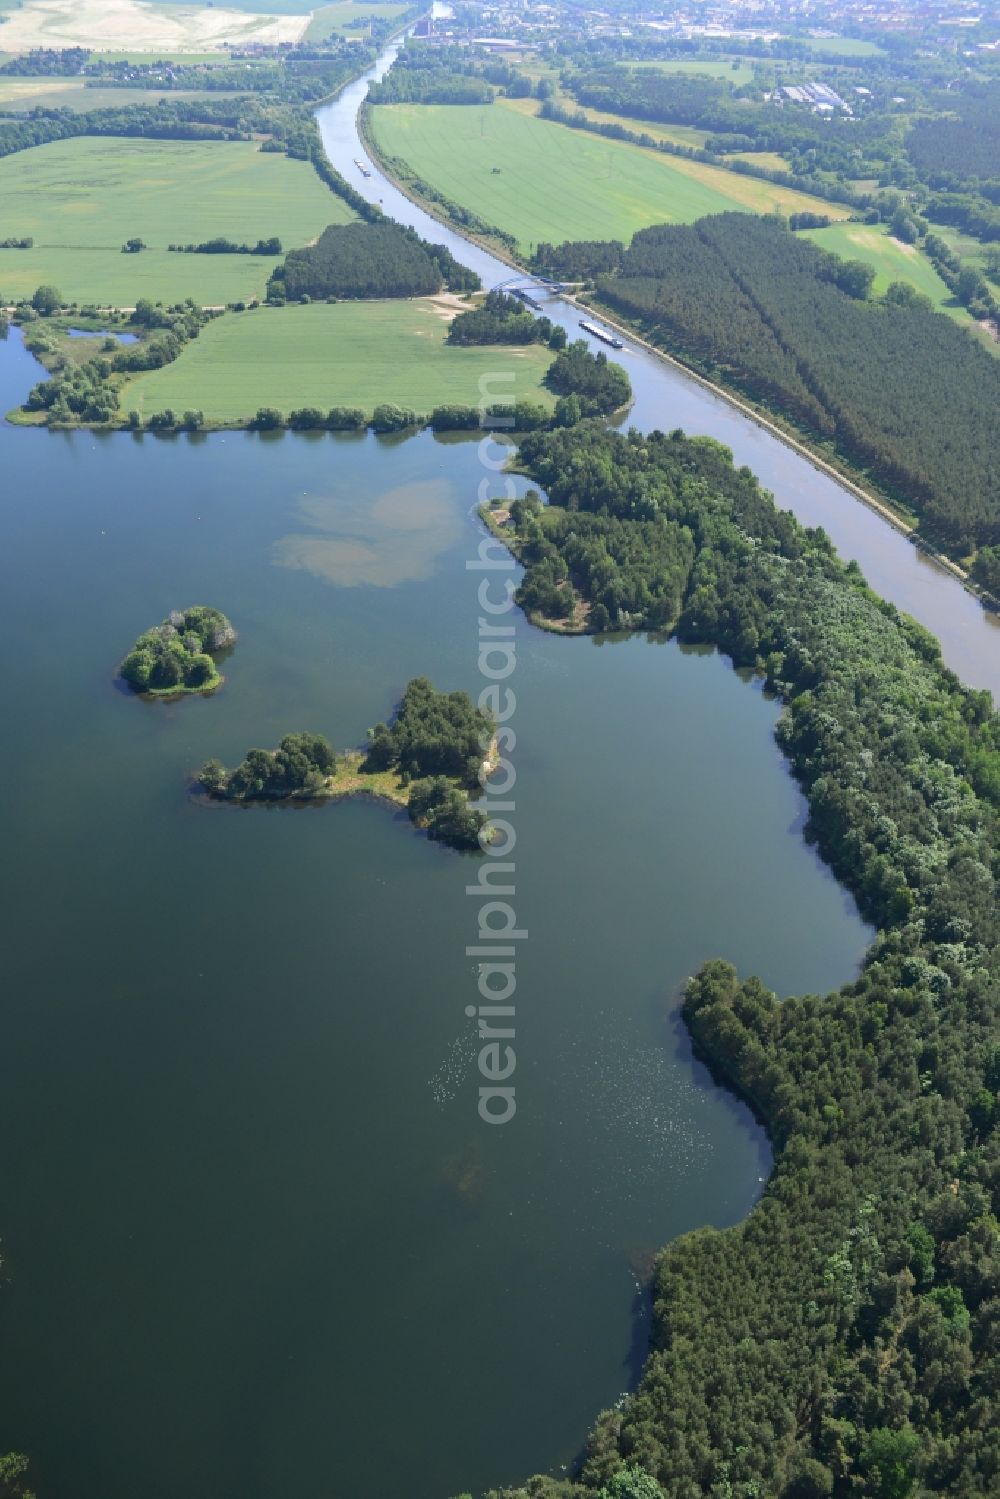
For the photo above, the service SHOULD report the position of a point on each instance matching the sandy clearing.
(446, 305)
(130, 25)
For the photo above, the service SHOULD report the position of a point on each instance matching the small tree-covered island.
(176, 657)
(435, 753)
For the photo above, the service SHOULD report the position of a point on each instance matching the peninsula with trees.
(839, 1339)
(178, 656)
(431, 759)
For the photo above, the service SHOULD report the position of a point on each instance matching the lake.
(256, 1238)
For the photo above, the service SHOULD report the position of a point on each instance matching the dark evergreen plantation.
(380, 259)
(898, 390)
(963, 147)
(842, 1341)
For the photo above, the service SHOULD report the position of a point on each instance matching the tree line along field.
(81, 199)
(555, 183)
(40, 92)
(357, 354)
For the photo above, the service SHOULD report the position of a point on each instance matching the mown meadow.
(893, 261)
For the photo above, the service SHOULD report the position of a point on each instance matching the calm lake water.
(256, 1239)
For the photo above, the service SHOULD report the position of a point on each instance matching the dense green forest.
(502, 319)
(590, 382)
(176, 656)
(300, 766)
(961, 148)
(381, 259)
(432, 734)
(900, 391)
(842, 1340)
(429, 86)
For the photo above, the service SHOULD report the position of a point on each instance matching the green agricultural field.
(22, 94)
(341, 354)
(81, 199)
(771, 161)
(734, 72)
(840, 46)
(892, 260)
(543, 181)
(346, 16)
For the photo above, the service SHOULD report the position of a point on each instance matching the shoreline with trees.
(876, 1221)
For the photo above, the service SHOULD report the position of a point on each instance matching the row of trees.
(381, 259)
(841, 1341)
(898, 389)
(848, 147)
(220, 245)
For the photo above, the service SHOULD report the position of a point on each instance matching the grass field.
(72, 93)
(344, 354)
(840, 46)
(81, 199)
(344, 18)
(892, 260)
(735, 73)
(556, 183)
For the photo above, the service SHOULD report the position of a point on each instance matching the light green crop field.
(81, 199)
(340, 354)
(734, 72)
(555, 183)
(892, 260)
(840, 46)
(344, 17)
(770, 160)
(72, 93)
